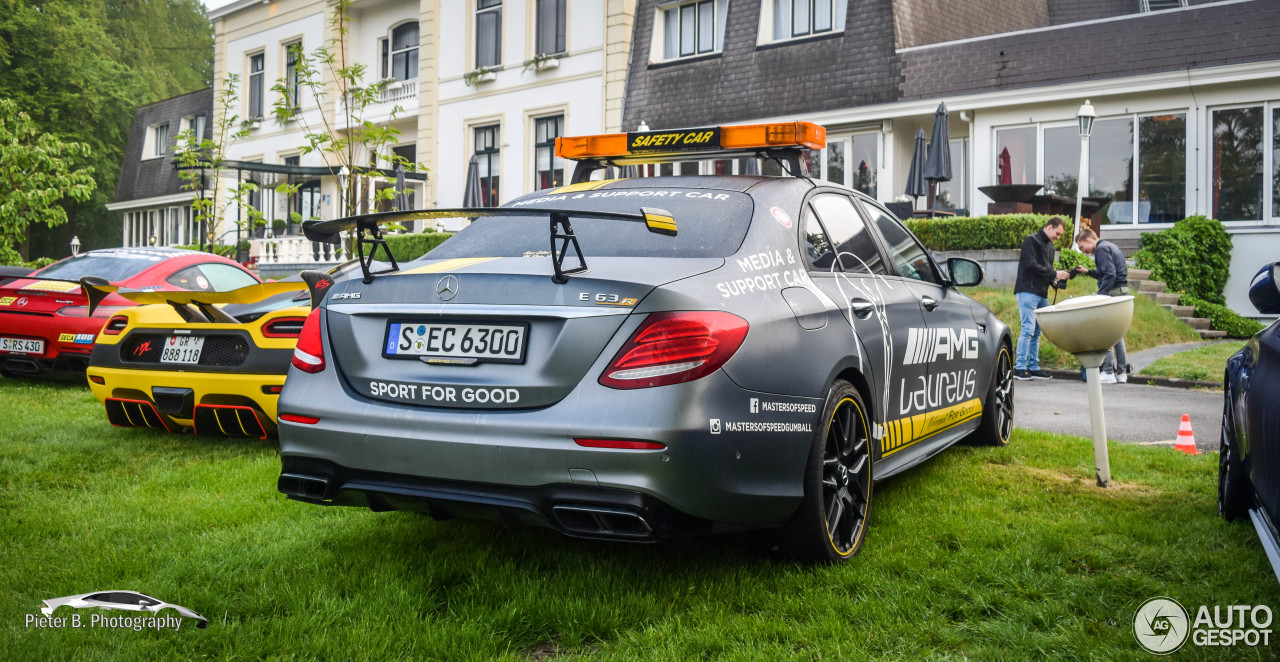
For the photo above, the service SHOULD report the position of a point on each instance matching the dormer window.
(689, 29)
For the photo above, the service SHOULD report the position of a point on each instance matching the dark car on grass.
(636, 359)
(1249, 461)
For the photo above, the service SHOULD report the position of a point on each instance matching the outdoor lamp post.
(1085, 116)
(75, 245)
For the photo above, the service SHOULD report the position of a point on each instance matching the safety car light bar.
(781, 140)
(369, 234)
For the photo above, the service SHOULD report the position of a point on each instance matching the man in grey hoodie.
(1113, 280)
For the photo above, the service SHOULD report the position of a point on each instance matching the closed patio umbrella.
(1005, 166)
(401, 202)
(915, 175)
(937, 163)
(471, 194)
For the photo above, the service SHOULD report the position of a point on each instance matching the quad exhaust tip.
(603, 522)
(303, 486)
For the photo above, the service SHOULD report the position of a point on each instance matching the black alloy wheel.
(831, 522)
(997, 412)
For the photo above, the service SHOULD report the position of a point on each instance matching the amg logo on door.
(941, 344)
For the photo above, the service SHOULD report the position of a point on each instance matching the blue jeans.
(1029, 335)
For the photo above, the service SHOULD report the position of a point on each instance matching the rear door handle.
(862, 308)
(928, 302)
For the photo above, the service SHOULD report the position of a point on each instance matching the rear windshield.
(711, 224)
(111, 266)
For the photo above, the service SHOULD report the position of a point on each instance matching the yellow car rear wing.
(198, 307)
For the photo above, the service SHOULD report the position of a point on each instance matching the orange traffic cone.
(1186, 440)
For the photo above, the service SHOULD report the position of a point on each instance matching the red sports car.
(45, 326)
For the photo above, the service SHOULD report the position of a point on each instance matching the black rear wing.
(369, 235)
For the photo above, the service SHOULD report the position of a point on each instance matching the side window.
(909, 257)
(853, 243)
(190, 279)
(224, 277)
(817, 246)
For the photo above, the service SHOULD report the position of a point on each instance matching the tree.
(37, 171)
(201, 161)
(80, 68)
(352, 146)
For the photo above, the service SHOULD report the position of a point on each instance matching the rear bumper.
(597, 513)
(211, 403)
(726, 480)
(63, 357)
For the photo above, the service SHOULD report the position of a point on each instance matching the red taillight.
(283, 327)
(308, 356)
(670, 348)
(298, 418)
(115, 325)
(625, 444)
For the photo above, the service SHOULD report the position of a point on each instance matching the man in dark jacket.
(1035, 275)
(1113, 280)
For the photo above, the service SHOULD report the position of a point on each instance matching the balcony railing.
(300, 250)
(399, 91)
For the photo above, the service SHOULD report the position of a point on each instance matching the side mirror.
(1264, 292)
(964, 272)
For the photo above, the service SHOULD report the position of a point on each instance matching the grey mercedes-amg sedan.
(641, 358)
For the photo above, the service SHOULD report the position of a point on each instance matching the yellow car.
(205, 362)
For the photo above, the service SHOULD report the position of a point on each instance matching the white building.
(493, 79)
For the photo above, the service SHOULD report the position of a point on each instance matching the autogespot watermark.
(1162, 626)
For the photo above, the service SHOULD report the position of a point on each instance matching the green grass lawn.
(1152, 325)
(981, 554)
(1205, 363)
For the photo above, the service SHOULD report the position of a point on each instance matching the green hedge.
(976, 233)
(1192, 257)
(406, 247)
(1223, 318)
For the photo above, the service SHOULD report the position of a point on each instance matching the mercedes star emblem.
(447, 288)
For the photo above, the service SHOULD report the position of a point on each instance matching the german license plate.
(490, 343)
(182, 349)
(21, 346)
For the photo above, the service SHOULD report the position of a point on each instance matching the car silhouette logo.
(122, 600)
(447, 288)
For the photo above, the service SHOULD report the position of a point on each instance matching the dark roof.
(1135, 45)
(862, 66)
(855, 68)
(149, 178)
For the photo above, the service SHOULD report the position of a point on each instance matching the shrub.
(1223, 318)
(973, 233)
(406, 247)
(1192, 257)
(39, 263)
(1069, 259)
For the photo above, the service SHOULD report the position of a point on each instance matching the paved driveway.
(1135, 412)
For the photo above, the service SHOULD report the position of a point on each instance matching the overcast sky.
(214, 4)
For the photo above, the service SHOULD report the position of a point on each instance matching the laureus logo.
(1160, 625)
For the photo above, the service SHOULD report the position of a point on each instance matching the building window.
(548, 168)
(1237, 164)
(400, 54)
(292, 77)
(551, 21)
(257, 68)
(788, 19)
(951, 195)
(488, 33)
(160, 139)
(488, 164)
(852, 161)
(1138, 163)
(693, 28)
(1016, 156)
